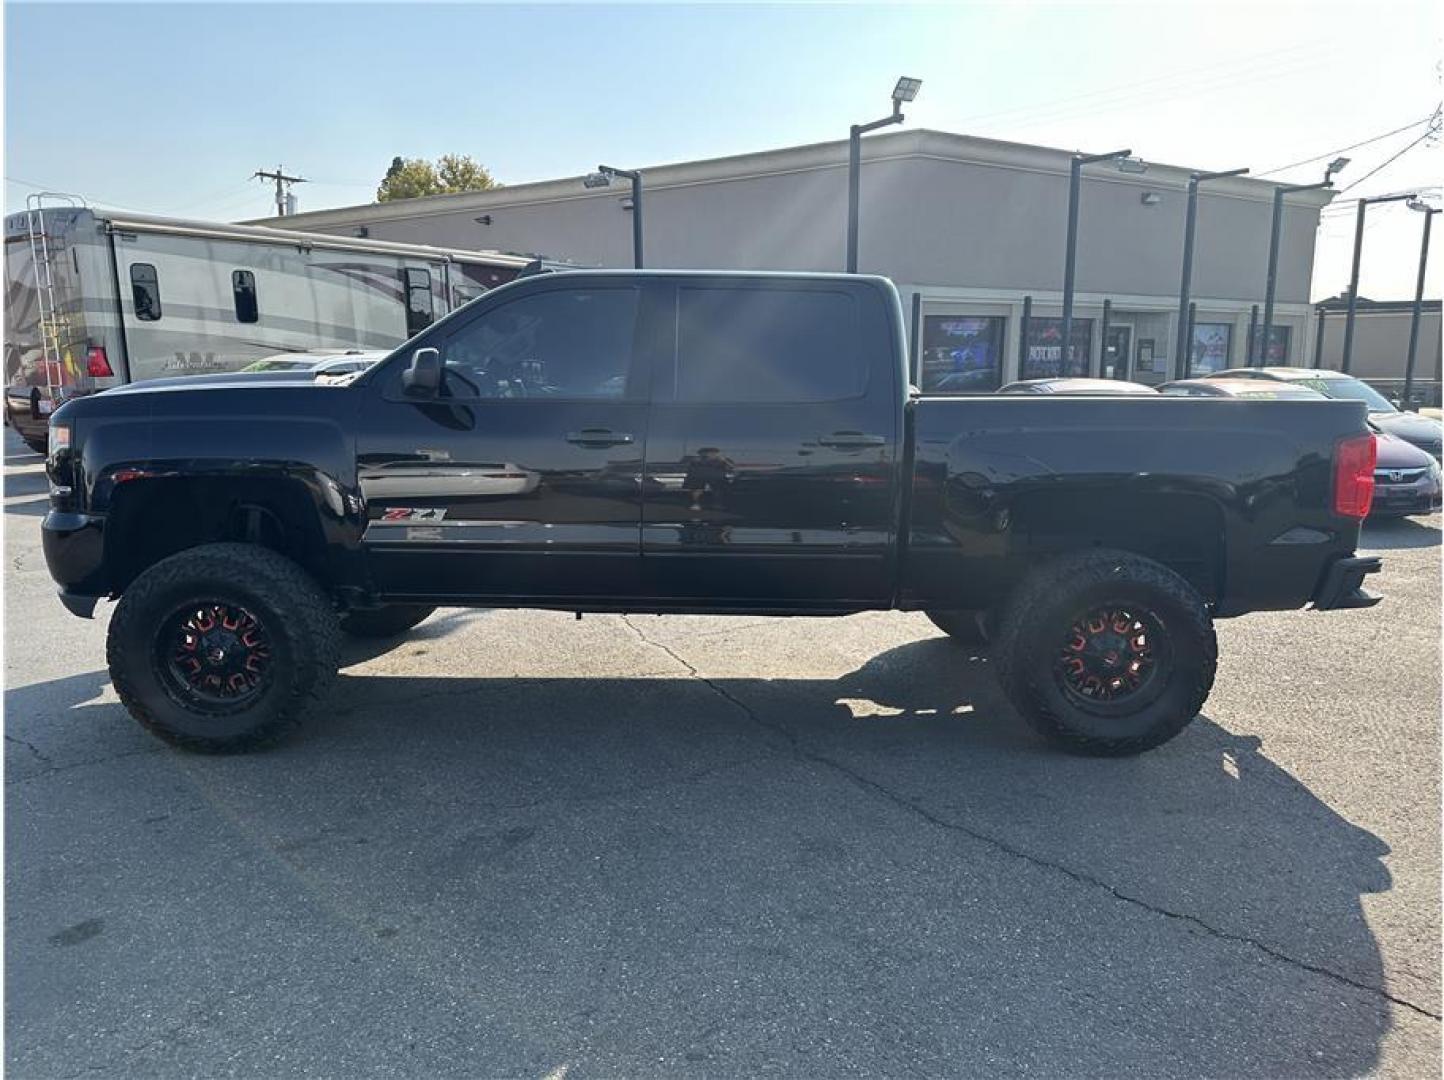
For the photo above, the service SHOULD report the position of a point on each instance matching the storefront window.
(1210, 350)
(1043, 358)
(1278, 350)
(961, 354)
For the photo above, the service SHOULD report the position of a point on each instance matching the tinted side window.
(243, 288)
(145, 291)
(767, 345)
(562, 343)
(419, 312)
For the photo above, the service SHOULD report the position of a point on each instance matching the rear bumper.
(1343, 584)
(74, 546)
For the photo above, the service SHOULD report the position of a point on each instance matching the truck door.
(522, 478)
(772, 455)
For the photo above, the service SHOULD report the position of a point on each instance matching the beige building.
(971, 230)
(1381, 344)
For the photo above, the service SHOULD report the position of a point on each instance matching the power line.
(1343, 149)
(1432, 130)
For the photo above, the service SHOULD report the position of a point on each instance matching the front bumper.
(1343, 584)
(1400, 500)
(74, 546)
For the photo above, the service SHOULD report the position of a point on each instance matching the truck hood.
(224, 381)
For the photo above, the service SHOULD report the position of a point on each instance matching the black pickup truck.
(690, 442)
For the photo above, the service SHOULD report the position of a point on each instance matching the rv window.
(145, 290)
(419, 314)
(243, 286)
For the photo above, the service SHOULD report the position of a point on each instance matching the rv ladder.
(45, 295)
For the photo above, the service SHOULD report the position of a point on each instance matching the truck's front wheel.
(1106, 652)
(220, 648)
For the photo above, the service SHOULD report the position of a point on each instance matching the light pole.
(1354, 274)
(603, 178)
(1335, 166)
(905, 90)
(1180, 354)
(1428, 212)
(1070, 253)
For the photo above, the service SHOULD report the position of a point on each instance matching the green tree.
(412, 178)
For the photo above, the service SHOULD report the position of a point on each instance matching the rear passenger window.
(419, 312)
(145, 291)
(767, 345)
(243, 288)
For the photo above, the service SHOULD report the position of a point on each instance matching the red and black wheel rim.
(214, 656)
(1114, 658)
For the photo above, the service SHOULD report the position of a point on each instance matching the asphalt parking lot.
(519, 845)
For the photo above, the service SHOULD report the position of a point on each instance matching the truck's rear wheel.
(1106, 652)
(964, 627)
(385, 621)
(220, 648)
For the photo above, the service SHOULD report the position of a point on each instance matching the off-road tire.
(384, 622)
(299, 620)
(41, 446)
(1039, 614)
(964, 627)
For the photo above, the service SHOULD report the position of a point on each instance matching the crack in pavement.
(1078, 876)
(52, 769)
(31, 747)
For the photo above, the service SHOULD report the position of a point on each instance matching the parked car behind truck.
(243, 522)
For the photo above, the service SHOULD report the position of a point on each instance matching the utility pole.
(282, 183)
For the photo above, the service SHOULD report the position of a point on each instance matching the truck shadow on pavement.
(1395, 534)
(881, 872)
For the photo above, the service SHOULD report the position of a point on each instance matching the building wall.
(1381, 346)
(969, 224)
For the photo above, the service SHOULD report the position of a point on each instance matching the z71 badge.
(413, 513)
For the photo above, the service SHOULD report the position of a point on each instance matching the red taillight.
(1354, 460)
(96, 365)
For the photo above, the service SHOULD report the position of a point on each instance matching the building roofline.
(911, 143)
(1364, 304)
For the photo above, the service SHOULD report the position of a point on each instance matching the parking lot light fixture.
(603, 178)
(1190, 218)
(905, 90)
(1070, 252)
(1428, 211)
(1364, 203)
(1266, 332)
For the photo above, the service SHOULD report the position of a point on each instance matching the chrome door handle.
(598, 437)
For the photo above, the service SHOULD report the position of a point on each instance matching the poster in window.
(961, 354)
(1043, 358)
(1278, 350)
(1210, 348)
(1145, 354)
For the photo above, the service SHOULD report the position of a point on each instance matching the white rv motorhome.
(96, 298)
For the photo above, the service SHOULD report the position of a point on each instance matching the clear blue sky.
(170, 108)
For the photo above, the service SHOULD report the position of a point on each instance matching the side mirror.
(423, 377)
